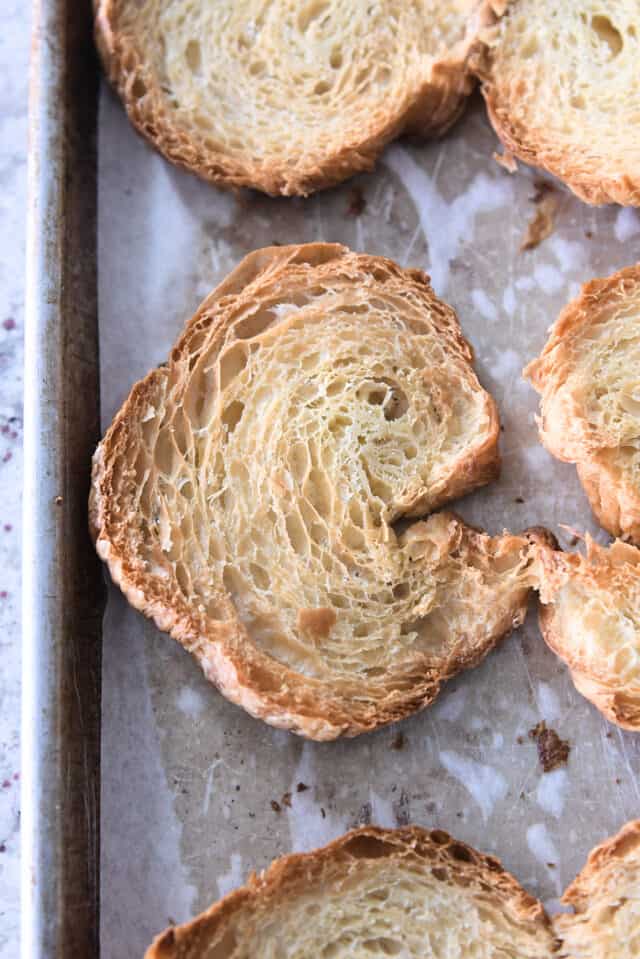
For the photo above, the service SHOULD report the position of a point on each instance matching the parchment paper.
(188, 780)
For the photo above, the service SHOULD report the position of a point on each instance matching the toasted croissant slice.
(606, 900)
(562, 88)
(590, 617)
(247, 495)
(374, 892)
(589, 378)
(286, 97)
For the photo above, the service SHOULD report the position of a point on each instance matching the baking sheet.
(62, 586)
(195, 793)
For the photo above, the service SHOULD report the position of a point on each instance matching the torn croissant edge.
(587, 164)
(445, 873)
(248, 675)
(590, 617)
(590, 605)
(604, 897)
(599, 322)
(421, 109)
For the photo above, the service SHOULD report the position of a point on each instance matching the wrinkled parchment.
(189, 781)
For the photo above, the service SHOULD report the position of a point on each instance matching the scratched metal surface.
(61, 578)
(187, 778)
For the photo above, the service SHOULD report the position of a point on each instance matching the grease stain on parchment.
(627, 224)
(451, 705)
(485, 784)
(191, 702)
(382, 812)
(445, 225)
(544, 850)
(484, 305)
(551, 793)
(548, 701)
(229, 881)
(548, 277)
(308, 826)
(136, 796)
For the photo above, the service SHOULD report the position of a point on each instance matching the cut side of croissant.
(590, 617)
(372, 893)
(606, 901)
(253, 495)
(588, 376)
(286, 97)
(562, 87)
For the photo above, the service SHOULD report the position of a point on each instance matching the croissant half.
(562, 88)
(286, 97)
(588, 377)
(590, 617)
(374, 892)
(605, 897)
(417, 894)
(255, 495)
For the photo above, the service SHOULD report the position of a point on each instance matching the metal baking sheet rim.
(62, 582)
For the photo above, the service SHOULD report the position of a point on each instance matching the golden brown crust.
(424, 109)
(586, 378)
(590, 617)
(623, 847)
(139, 520)
(468, 872)
(615, 502)
(603, 895)
(552, 93)
(617, 706)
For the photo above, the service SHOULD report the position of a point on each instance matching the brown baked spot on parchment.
(552, 751)
(357, 203)
(542, 188)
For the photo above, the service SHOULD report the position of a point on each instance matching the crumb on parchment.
(542, 223)
(552, 751)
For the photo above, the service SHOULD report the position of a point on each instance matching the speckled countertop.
(14, 54)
